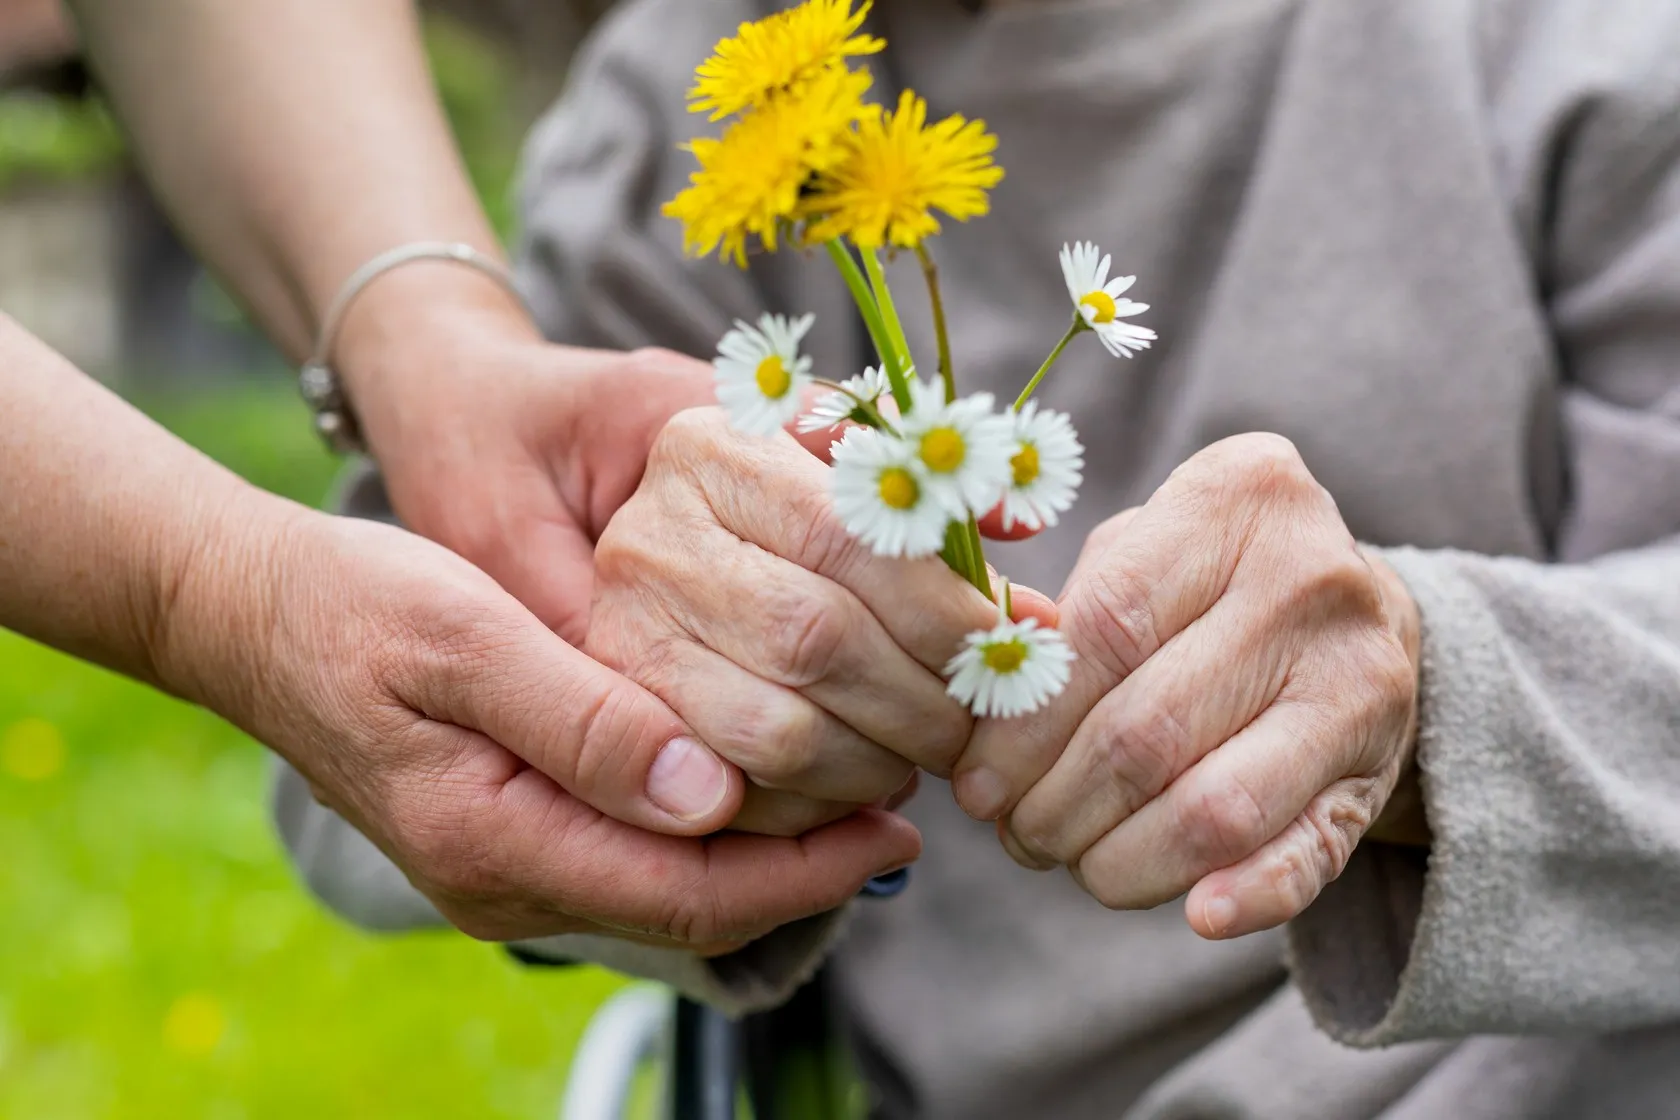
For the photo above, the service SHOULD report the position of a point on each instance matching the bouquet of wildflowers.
(804, 160)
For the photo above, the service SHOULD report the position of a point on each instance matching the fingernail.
(687, 780)
(981, 793)
(1219, 914)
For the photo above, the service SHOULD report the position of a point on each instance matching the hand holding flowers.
(805, 160)
(728, 587)
(1244, 696)
(1242, 710)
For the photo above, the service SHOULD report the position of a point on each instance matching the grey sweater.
(1437, 244)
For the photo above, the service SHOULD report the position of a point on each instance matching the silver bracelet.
(322, 390)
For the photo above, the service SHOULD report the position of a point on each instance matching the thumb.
(602, 738)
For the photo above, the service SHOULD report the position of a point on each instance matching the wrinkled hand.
(489, 759)
(1243, 706)
(727, 587)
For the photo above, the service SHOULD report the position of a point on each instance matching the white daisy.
(836, 407)
(1098, 300)
(1010, 670)
(880, 496)
(761, 376)
(962, 449)
(1045, 468)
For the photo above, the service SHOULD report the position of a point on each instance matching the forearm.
(102, 513)
(291, 142)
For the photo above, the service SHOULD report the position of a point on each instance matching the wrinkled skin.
(1243, 707)
(727, 587)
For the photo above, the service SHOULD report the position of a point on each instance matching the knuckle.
(941, 739)
(599, 746)
(1316, 847)
(626, 552)
(1112, 615)
(1335, 822)
(1291, 875)
(683, 437)
(820, 542)
(1389, 680)
(1145, 751)
(805, 635)
(439, 844)
(1222, 823)
(777, 744)
(692, 915)
(1339, 586)
(657, 360)
(1109, 891)
(1037, 836)
(1268, 463)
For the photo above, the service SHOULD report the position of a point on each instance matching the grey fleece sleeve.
(1549, 742)
(1549, 753)
(602, 268)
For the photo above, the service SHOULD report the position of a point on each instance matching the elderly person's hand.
(729, 589)
(1243, 706)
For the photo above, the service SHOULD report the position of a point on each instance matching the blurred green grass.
(157, 959)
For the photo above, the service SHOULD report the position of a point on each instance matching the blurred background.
(157, 958)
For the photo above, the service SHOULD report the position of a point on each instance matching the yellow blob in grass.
(943, 450)
(1025, 465)
(32, 750)
(194, 1025)
(773, 378)
(1101, 305)
(1005, 657)
(898, 488)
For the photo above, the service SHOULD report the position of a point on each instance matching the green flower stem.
(955, 553)
(930, 273)
(963, 552)
(978, 575)
(885, 345)
(889, 310)
(1077, 325)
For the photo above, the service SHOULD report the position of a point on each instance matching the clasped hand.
(1242, 709)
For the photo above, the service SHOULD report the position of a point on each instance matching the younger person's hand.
(524, 789)
(509, 450)
(1243, 706)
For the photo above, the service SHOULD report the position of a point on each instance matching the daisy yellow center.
(898, 488)
(1004, 657)
(773, 378)
(1101, 305)
(1025, 465)
(943, 450)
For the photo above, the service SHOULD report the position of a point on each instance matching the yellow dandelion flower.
(780, 52)
(897, 171)
(750, 180)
